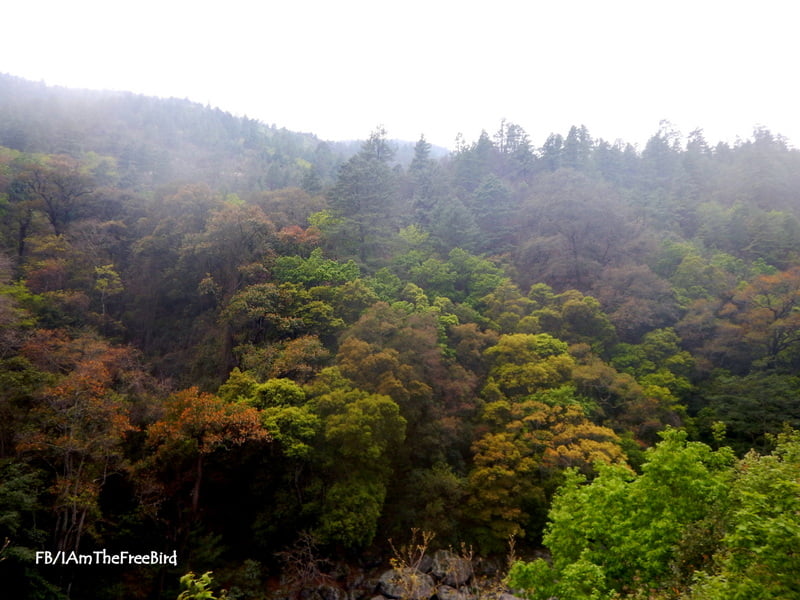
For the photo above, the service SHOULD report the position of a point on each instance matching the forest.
(297, 364)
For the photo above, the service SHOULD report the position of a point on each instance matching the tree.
(288, 206)
(22, 529)
(636, 300)
(195, 425)
(507, 307)
(79, 423)
(661, 157)
(522, 364)
(513, 142)
(396, 351)
(529, 444)
(267, 312)
(363, 198)
(759, 555)
(754, 407)
(629, 530)
(621, 401)
(494, 208)
(757, 329)
(59, 188)
(570, 316)
(552, 152)
(574, 227)
(502, 484)
(107, 283)
(360, 430)
(230, 252)
(315, 270)
(453, 225)
(299, 359)
(577, 150)
(473, 163)
(769, 314)
(658, 362)
(421, 173)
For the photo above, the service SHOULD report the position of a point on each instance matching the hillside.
(259, 351)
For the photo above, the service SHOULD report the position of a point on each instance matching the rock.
(445, 592)
(339, 571)
(364, 589)
(425, 564)
(309, 594)
(331, 592)
(451, 570)
(487, 567)
(507, 596)
(408, 584)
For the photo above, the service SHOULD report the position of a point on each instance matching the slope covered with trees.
(241, 344)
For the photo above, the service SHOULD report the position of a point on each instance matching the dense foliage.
(224, 339)
(695, 524)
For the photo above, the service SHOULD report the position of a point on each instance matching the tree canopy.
(242, 343)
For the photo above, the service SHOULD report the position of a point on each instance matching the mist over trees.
(242, 343)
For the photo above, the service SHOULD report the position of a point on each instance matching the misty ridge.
(379, 369)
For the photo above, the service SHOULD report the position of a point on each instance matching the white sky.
(338, 68)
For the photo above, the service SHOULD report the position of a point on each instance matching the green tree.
(658, 362)
(629, 530)
(453, 225)
(760, 553)
(360, 430)
(523, 364)
(507, 307)
(364, 199)
(570, 316)
(473, 162)
(235, 241)
(495, 208)
(315, 270)
(753, 407)
(107, 283)
(423, 179)
(267, 312)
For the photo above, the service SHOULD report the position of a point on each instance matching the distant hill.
(156, 140)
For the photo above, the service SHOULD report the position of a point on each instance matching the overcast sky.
(338, 68)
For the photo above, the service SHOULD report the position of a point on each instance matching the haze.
(434, 68)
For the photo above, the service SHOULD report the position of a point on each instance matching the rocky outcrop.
(408, 584)
(445, 592)
(450, 569)
(445, 575)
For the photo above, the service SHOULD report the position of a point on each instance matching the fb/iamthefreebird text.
(104, 557)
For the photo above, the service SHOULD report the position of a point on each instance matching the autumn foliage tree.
(515, 464)
(194, 425)
(78, 424)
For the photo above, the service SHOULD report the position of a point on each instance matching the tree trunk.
(196, 489)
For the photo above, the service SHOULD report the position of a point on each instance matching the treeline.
(212, 362)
